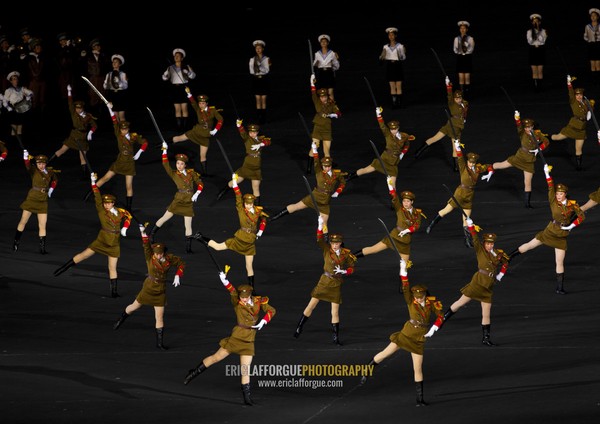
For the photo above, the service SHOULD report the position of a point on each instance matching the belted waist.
(246, 229)
(321, 190)
(126, 152)
(187, 190)
(580, 119)
(247, 327)
(110, 231)
(416, 323)
(155, 279)
(254, 155)
(259, 76)
(330, 275)
(393, 152)
(81, 131)
(42, 189)
(467, 187)
(559, 224)
(527, 150)
(486, 273)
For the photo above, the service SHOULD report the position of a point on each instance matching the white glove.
(313, 79)
(447, 80)
(589, 115)
(165, 75)
(164, 147)
(89, 135)
(568, 227)
(138, 154)
(332, 115)
(339, 270)
(598, 136)
(93, 178)
(432, 330)
(321, 222)
(378, 111)
(313, 146)
(124, 231)
(142, 230)
(517, 115)
(401, 156)
(499, 276)
(213, 132)
(534, 151)
(403, 271)
(234, 178)
(389, 184)
(335, 194)
(469, 222)
(176, 281)
(260, 325)
(457, 145)
(404, 232)
(195, 195)
(259, 233)
(569, 79)
(256, 147)
(238, 123)
(69, 89)
(1, 159)
(50, 190)
(547, 170)
(223, 278)
(487, 176)
(25, 155)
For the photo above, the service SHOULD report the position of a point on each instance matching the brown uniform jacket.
(200, 133)
(321, 120)
(251, 168)
(524, 159)
(405, 219)
(186, 184)
(109, 237)
(81, 125)
(125, 164)
(395, 145)
(37, 196)
(576, 127)
(458, 115)
(465, 192)
(326, 186)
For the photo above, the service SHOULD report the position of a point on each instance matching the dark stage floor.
(61, 361)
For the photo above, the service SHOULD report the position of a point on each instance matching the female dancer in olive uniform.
(253, 222)
(241, 340)
(337, 262)
(108, 241)
(154, 290)
(189, 186)
(411, 338)
(566, 215)
(43, 183)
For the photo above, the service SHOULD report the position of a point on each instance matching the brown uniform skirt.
(107, 244)
(241, 341)
(153, 293)
(35, 202)
(411, 338)
(182, 205)
(240, 246)
(328, 290)
(553, 236)
(523, 160)
(575, 129)
(250, 169)
(198, 136)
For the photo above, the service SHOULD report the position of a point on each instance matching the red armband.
(438, 322)
(144, 146)
(127, 223)
(219, 125)
(145, 239)
(53, 184)
(262, 225)
(179, 271)
(404, 279)
(267, 317)
(3, 155)
(164, 157)
(200, 187)
(349, 270)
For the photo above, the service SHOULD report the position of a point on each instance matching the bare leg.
(24, 219)
(159, 314)
(249, 268)
(417, 366)
(437, 137)
(245, 362)
(559, 256)
(385, 353)
(109, 174)
(462, 301)
(168, 215)
(256, 187)
(187, 223)
(87, 253)
(203, 150)
(312, 304)
(112, 267)
(326, 147)
(42, 220)
(129, 185)
(486, 312)
(335, 313)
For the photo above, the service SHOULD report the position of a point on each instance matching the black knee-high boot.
(364, 378)
(128, 202)
(420, 150)
(309, 165)
(468, 238)
(153, 232)
(455, 168)
(257, 200)
(17, 240)
(279, 214)
(194, 372)
(419, 388)
(336, 333)
(449, 312)
(179, 122)
(202, 239)
(223, 191)
(246, 394)
(188, 244)
(300, 325)
(84, 173)
(352, 176)
(113, 288)
(486, 335)
(43, 245)
(204, 168)
(64, 267)
(121, 320)
(432, 224)
(560, 280)
(251, 280)
(359, 253)
(159, 339)
(578, 160)
(528, 200)
(512, 254)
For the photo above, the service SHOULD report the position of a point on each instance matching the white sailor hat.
(256, 42)
(179, 51)
(391, 29)
(594, 10)
(13, 74)
(465, 23)
(535, 15)
(325, 36)
(118, 56)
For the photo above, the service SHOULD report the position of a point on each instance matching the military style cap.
(391, 29)
(78, 103)
(473, 157)
(182, 157)
(179, 51)
(465, 23)
(3, 39)
(34, 42)
(393, 125)
(594, 10)
(95, 42)
(458, 93)
(158, 247)
(326, 161)
(528, 122)
(202, 98)
(335, 238)
(489, 237)
(579, 90)
(561, 187)
(24, 31)
(245, 290)
(249, 198)
(62, 36)
(123, 125)
(322, 92)
(253, 127)
(324, 36)
(118, 56)
(13, 74)
(418, 290)
(108, 198)
(407, 195)
(257, 42)
(41, 159)
(535, 16)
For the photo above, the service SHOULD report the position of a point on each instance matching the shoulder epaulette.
(263, 299)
